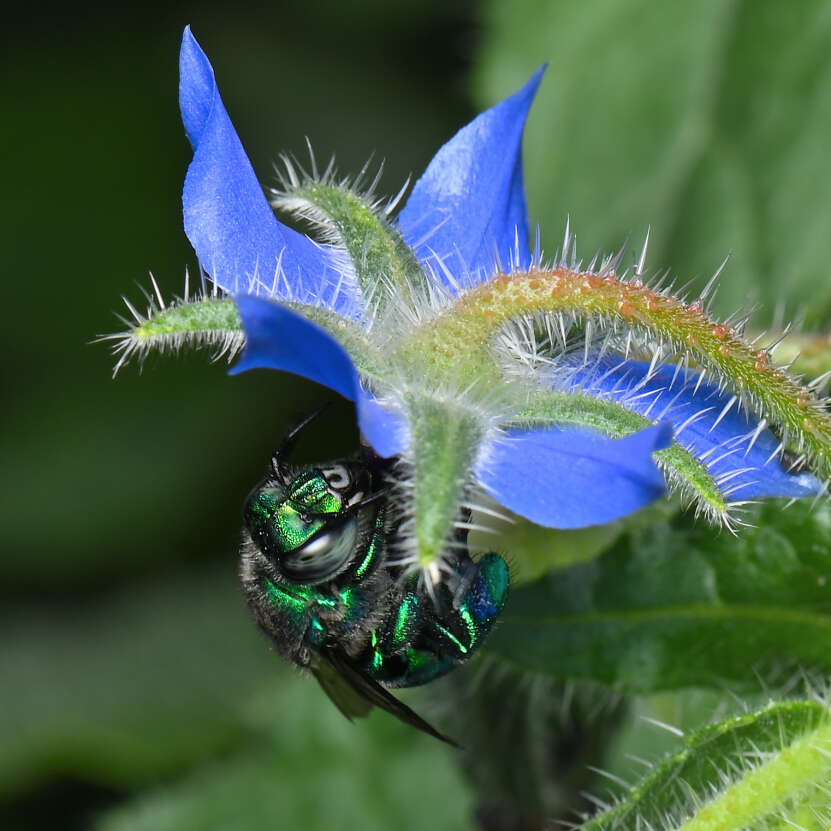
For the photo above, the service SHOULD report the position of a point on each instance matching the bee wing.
(354, 693)
(343, 695)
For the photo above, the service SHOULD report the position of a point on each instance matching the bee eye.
(322, 557)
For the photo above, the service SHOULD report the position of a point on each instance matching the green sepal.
(759, 770)
(205, 321)
(384, 265)
(190, 317)
(444, 440)
(457, 340)
(349, 334)
(214, 322)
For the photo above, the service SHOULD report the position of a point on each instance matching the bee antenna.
(368, 500)
(287, 445)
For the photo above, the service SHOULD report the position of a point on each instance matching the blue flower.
(305, 311)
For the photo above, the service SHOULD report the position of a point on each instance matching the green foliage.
(707, 120)
(668, 607)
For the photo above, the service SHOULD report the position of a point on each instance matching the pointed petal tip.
(226, 216)
(521, 100)
(530, 87)
(468, 208)
(197, 86)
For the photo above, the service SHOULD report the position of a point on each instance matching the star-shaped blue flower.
(305, 311)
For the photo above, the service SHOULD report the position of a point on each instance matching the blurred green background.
(134, 691)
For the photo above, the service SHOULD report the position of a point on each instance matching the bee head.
(305, 521)
(307, 527)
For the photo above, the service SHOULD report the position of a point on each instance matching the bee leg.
(402, 624)
(488, 590)
(421, 642)
(398, 655)
(478, 600)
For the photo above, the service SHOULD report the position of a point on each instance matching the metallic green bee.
(317, 573)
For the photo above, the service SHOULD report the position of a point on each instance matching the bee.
(318, 576)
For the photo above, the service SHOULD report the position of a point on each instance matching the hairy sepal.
(765, 769)
(204, 321)
(807, 354)
(357, 223)
(211, 320)
(445, 437)
(461, 337)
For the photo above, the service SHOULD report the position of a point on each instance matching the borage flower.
(564, 392)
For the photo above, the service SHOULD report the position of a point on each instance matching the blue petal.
(278, 338)
(470, 202)
(228, 221)
(742, 461)
(387, 432)
(571, 478)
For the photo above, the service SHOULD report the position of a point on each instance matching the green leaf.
(753, 771)
(707, 120)
(669, 607)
